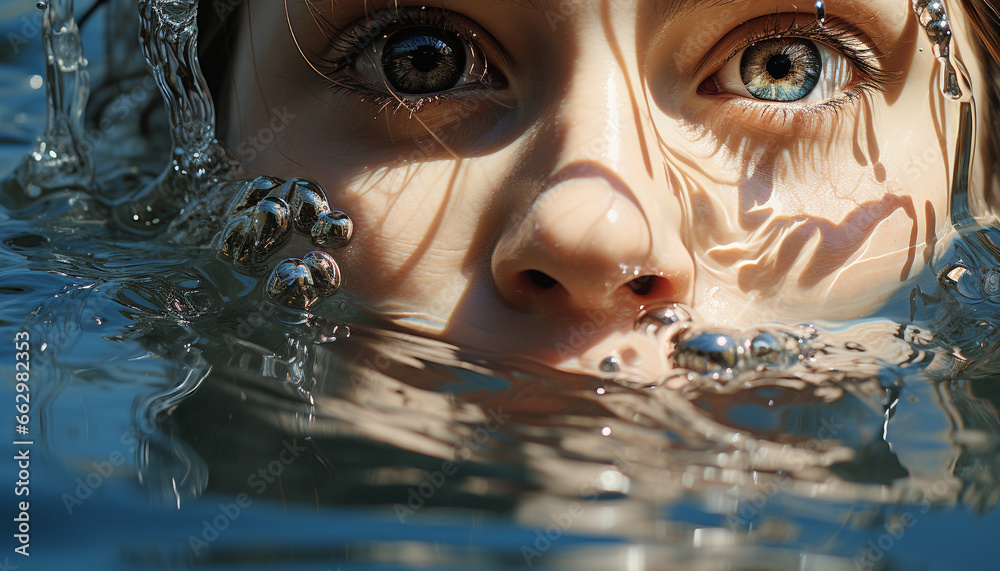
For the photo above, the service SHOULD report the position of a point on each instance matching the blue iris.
(781, 69)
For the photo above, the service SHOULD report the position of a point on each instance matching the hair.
(985, 19)
(986, 22)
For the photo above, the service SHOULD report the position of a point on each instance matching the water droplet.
(332, 229)
(610, 365)
(820, 8)
(763, 346)
(291, 284)
(707, 352)
(325, 272)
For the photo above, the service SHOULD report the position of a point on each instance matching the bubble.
(332, 229)
(610, 365)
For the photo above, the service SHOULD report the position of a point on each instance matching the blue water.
(176, 424)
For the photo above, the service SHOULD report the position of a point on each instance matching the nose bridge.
(605, 122)
(600, 117)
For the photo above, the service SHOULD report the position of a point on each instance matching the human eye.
(786, 70)
(414, 56)
(796, 62)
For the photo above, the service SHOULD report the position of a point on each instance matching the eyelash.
(355, 39)
(874, 78)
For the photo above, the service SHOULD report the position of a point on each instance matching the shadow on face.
(516, 171)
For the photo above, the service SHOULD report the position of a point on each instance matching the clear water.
(177, 424)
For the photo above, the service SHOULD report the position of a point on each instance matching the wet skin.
(608, 162)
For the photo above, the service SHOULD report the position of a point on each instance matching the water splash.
(57, 162)
(169, 39)
(707, 358)
(261, 217)
(726, 354)
(961, 305)
(956, 86)
(933, 17)
(730, 354)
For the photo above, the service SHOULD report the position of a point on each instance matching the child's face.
(612, 155)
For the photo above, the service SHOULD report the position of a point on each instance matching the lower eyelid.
(466, 101)
(742, 117)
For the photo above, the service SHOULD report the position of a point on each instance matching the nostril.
(644, 286)
(540, 279)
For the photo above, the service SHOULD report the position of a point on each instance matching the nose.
(605, 230)
(587, 244)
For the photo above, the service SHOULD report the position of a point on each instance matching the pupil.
(779, 66)
(423, 60)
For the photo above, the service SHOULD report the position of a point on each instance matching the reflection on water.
(217, 429)
(169, 358)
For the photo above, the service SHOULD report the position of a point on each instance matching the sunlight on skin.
(609, 153)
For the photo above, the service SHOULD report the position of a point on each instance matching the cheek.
(824, 229)
(420, 230)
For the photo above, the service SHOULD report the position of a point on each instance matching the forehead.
(659, 10)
